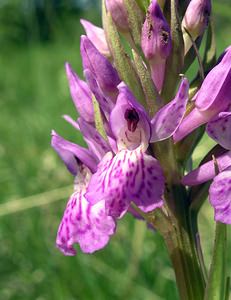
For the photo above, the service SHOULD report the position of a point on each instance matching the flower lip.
(132, 118)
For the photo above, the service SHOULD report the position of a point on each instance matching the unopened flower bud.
(100, 68)
(97, 36)
(195, 20)
(118, 13)
(156, 42)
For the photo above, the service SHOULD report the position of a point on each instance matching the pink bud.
(196, 19)
(118, 13)
(97, 36)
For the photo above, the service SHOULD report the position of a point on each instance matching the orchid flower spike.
(195, 21)
(156, 42)
(213, 98)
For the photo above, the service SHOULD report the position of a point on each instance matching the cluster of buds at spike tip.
(156, 42)
(195, 21)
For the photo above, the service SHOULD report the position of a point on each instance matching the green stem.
(185, 261)
(215, 289)
(179, 239)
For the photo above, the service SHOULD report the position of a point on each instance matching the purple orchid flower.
(213, 98)
(156, 42)
(83, 223)
(97, 36)
(130, 175)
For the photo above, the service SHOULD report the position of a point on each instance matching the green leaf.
(209, 59)
(191, 54)
(215, 289)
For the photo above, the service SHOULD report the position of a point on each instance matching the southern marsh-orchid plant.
(142, 119)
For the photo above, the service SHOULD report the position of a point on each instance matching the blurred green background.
(36, 38)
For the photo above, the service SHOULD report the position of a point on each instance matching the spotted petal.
(84, 224)
(220, 196)
(219, 129)
(129, 176)
(167, 119)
